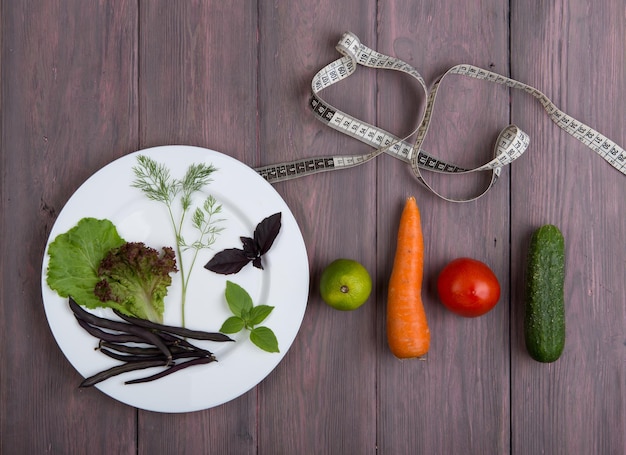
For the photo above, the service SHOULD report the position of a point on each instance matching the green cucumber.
(544, 321)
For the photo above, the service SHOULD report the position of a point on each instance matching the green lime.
(345, 284)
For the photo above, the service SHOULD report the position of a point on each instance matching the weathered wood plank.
(68, 108)
(456, 401)
(198, 76)
(86, 82)
(322, 397)
(198, 87)
(578, 403)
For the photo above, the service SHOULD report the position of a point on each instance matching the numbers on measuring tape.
(510, 145)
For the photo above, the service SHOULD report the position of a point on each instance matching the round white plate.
(246, 199)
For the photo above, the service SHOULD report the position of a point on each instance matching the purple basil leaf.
(257, 262)
(228, 261)
(266, 232)
(250, 247)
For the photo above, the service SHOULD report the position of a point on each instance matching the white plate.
(284, 283)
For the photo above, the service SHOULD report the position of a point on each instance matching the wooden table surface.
(86, 82)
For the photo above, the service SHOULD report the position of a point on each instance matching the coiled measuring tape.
(510, 145)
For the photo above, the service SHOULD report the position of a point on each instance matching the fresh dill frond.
(195, 178)
(155, 181)
(198, 218)
(204, 221)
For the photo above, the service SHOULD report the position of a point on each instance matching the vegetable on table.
(74, 259)
(468, 287)
(142, 344)
(180, 331)
(136, 277)
(408, 334)
(155, 181)
(97, 268)
(544, 319)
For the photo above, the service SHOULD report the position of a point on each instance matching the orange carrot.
(408, 335)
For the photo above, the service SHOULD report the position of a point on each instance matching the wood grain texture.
(68, 107)
(198, 87)
(576, 404)
(86, 82)
(198, 76)
(321, 399)
(456, 401)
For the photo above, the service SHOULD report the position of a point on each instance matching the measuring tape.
(510, 145)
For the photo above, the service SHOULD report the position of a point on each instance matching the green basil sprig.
(247, 316)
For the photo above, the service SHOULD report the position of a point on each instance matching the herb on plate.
(232, 260)
(157, 184)
(247, 316)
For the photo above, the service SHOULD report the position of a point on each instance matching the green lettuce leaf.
(75, 257)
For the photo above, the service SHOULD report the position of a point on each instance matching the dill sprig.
(203, 220)
(155, 181)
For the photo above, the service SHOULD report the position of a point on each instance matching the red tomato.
(468, 287)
